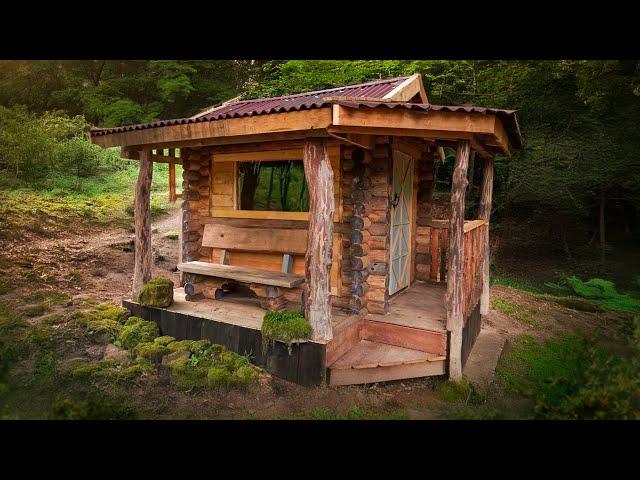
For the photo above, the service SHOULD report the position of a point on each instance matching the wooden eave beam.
(432, 125)
(233, 130)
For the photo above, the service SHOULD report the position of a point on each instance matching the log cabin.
(321, 202)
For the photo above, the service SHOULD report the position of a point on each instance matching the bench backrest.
(279, 240)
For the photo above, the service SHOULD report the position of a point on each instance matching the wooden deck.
(420, 306)
(235, 308)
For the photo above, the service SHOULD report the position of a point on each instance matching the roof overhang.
(485, 130)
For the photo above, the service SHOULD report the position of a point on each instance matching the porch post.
(455, 320)
(319, 177)
(142, 219)
(484, 213)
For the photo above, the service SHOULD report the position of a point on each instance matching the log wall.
(425, 175)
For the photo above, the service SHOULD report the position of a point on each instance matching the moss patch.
(171, 235)
(285, 327)
(156, 293)
(520, 312)
(164, 340)
(151, 351)
(208, 365)
(135, 331)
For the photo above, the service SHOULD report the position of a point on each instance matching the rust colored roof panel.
(318, 99)
(262, 106)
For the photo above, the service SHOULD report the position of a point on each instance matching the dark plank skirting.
(470, 332)
(304, 364)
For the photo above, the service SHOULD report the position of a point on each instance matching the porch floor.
(420, 306)
(236, 309)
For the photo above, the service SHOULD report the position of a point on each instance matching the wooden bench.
(268, 285)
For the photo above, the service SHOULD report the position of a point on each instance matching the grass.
(568, 377)
(520, 312)
(55, 204)
(353, 413)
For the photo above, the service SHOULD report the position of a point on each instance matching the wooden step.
(370, 362)
(404, 336)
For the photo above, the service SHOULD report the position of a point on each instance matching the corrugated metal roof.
(261, 106)
(318, 99)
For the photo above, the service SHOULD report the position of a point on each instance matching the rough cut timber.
(319, 176)
(455, 260)
(240, 274)
(484, 213)
(142, 219)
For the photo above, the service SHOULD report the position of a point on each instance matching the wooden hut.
(390, 292)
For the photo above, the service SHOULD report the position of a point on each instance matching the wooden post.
(484, 213)
(455, 260)
(319, 177)
(142, 219)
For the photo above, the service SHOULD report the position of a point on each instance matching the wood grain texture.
(484, 213)
(142, 219)
(455, 259)
(318, 257)
(242, 274)
(252, 239)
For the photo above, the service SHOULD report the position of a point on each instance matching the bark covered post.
(455, 260)
(319, 177)
(142, 219)
(484, 213)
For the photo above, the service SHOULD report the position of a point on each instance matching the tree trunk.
(455, 260)
(142, 219)
(602, 226)
(250, 174)
(319, 176)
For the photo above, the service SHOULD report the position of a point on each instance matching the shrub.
(569, 377)
(605, 293)
(135, 331)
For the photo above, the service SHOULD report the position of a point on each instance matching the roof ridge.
(332, 89)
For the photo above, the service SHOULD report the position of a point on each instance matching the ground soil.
(101, 260)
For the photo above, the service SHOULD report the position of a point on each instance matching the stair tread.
(367, 354)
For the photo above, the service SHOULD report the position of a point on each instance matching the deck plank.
(368, 354)
(420, 306)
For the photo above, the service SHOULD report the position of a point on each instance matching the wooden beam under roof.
(191, 134)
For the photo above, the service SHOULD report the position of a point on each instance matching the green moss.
(151, 351)
(104, 330)
(520, 312)
(92, 407)
(111, 369)
(285, 327)
(456, 392)
(156, 293)
(136, 330)
(209, 366)
(164, 340)
(171, 235)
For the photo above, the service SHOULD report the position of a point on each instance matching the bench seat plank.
(241, 274)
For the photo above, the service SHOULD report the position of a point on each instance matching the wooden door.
(401, 197)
